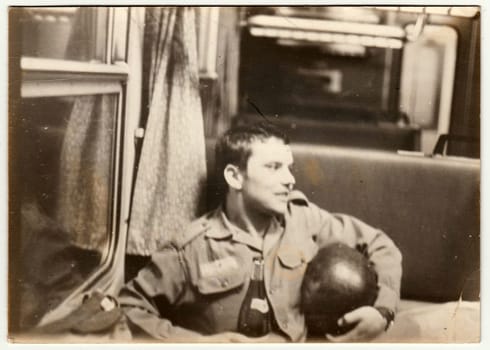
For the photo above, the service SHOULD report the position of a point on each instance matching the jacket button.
(285, 324)
(224, 283)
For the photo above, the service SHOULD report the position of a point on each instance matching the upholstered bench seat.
(428, 322)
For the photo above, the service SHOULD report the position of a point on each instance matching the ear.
(233, 177)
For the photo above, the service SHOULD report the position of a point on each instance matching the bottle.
(254, 317)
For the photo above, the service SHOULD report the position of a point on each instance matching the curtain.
(84, 190)
(172, 169)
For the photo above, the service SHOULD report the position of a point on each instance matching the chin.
(279, 210)
(272, 208)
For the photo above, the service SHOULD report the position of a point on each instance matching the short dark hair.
(234, 146)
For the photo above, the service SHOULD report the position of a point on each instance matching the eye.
(273, 165)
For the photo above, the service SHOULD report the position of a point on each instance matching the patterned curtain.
(172, 167)
(85, 172)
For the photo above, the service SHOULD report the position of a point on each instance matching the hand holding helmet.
(338, 293)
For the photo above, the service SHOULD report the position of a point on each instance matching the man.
(193, 290)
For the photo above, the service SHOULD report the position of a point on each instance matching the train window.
(69, 144)
(329, 65)
(427, 79)
(69, 141)
(81, 33)
(373, 78)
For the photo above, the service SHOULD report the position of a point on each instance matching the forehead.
(271, 149)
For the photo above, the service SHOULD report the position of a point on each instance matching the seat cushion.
(423, 322)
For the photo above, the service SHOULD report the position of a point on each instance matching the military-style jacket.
(197, 283)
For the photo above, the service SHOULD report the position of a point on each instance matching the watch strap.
(388, 314)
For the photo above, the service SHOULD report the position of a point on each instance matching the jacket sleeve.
(163, 280)
(381, 250)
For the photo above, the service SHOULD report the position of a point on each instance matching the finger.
(350, 336)
(351, 317)
(341, 322)
(337, 339)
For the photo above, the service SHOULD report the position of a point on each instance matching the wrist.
(388, 315)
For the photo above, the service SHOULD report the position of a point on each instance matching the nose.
(288, 179)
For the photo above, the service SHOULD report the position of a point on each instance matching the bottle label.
(260, 305)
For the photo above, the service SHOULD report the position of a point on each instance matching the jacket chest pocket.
(220, 282)
(293, 260)
(294, 256)
(219, 298)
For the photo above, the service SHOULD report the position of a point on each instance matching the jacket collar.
(222, 228)
(218, 227)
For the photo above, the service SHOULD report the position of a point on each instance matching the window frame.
(75, 78)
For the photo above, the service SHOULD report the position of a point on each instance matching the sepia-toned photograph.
(244, 174)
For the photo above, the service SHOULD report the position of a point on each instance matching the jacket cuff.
(387, 298)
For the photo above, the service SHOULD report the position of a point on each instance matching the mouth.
(283, 195)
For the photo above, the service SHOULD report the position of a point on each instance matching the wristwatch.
(388, 315)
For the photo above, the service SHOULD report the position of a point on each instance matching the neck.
(248, 220)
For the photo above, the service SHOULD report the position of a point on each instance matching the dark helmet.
(339, 279)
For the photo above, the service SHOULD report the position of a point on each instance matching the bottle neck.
(258, 270)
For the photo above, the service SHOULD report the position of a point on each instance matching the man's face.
(267, 180)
